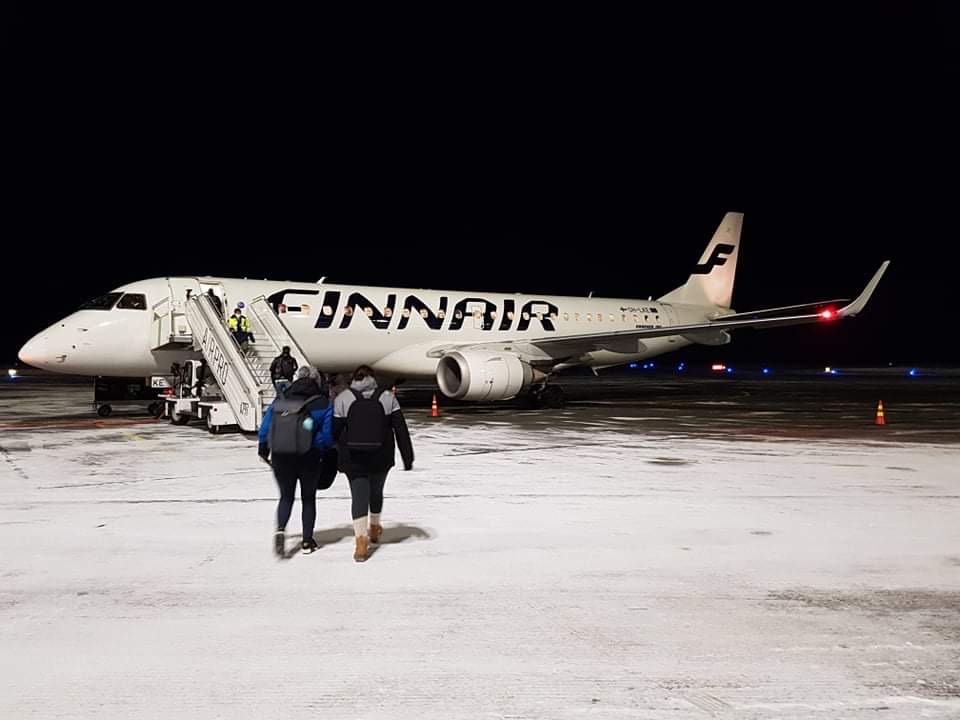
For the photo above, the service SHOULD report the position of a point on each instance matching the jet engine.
(484, 376)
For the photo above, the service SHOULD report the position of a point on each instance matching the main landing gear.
(546, 396)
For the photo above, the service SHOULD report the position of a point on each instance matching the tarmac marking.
(13, 464)
(77, 424)
(710, 704)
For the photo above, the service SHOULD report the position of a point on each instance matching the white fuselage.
(394, 330)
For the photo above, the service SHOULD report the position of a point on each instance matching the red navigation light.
(828, 314)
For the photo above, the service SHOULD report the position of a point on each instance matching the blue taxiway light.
(913, 372)
(766, 371)
(634, 366)
(729, 370)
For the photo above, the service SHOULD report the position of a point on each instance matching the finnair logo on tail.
(717, 257)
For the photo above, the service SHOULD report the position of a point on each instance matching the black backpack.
(291, 426)
(367, 423)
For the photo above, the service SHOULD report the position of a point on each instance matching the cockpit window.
(133, 301)
(104, 302)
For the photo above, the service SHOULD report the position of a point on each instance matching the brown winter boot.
(360, 553)
(375, 531)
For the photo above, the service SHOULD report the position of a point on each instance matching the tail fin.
(711, 282)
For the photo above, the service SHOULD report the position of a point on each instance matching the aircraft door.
(179, 287)
(669, 316)
(218, 292)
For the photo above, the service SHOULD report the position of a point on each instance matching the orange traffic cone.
(881, 420)
(434, 410)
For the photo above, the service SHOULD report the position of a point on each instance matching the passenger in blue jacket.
(307, 468)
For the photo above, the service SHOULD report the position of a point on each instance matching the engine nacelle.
(482, 375)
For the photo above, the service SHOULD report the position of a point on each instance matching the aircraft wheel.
(553, 396)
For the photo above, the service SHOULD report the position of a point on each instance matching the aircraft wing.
(712, 332)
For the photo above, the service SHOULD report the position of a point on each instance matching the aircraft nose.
(35, 352)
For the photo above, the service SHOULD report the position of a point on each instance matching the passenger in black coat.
(367, 471)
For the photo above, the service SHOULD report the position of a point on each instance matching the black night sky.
(553, 151)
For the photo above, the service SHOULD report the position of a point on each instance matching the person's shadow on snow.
(391, 536)
(331, 536)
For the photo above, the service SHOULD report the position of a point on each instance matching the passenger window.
(576, 317)
(104, 302)
(348, 311)
(327, 310)
(510, 316)
(406, 312)
(133, 301)
(388, 312)
(589, 317)
(493, 314)
(611, 317)
(424, 313)
(368, 311)
(526, 316)
(440, 313)
(566, 317)
(599, 317)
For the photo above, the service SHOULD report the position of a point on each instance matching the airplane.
(478, 346)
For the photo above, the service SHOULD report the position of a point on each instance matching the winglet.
(863, 298)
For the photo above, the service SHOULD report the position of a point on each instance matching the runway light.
(634, 366)
(913, 372)
(681, 367)
(827, 369)
(729, 370)
(12, 373)
(766, 371)
(718, 367)
(828, 314)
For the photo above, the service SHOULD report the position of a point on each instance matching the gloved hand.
(264, 452)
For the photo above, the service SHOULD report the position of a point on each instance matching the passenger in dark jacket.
(282, 370)
(367, 470)
(308, 468)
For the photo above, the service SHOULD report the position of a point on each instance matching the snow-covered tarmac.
(580, 563)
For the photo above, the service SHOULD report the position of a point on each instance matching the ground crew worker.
(240, 327)
(282, 369)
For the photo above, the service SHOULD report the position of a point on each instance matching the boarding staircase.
(243, 375)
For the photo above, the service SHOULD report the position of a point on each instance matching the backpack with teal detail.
(292, 427)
